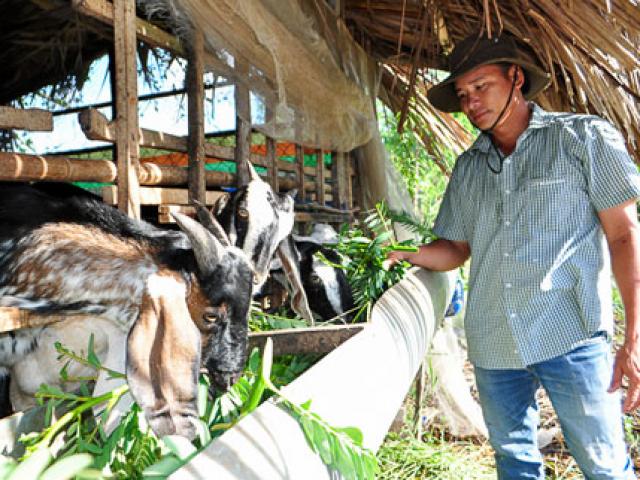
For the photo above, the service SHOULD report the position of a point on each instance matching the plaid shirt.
(540, 280)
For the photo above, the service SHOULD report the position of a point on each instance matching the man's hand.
(396, 256)
(627, 364)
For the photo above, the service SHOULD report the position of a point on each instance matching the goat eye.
(243, 213)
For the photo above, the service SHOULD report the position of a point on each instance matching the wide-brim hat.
(475, 51)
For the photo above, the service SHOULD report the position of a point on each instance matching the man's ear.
(519, 76)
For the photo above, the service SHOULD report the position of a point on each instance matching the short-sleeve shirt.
(540, 278)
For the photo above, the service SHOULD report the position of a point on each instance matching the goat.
(326, 286)
(169, 300)
(260, 221)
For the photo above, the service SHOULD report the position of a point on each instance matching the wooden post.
(301, 181)
(272, 165)
(127, 143)
(320, 177)
(195, 91)
(243, 128)
(339, 178)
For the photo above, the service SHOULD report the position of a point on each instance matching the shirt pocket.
(552, 204)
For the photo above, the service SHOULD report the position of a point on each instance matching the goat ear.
(289, 259)
(207, 219)
(221, 204)
(292, 193)
(163, 359)
(206, 248)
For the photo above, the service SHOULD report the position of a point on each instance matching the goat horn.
(206, 248)
(252, 171)
(207, 219)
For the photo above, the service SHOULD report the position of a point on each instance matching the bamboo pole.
(19, 167)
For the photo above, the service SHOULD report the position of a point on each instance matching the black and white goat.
(325, 283)
(161, 303)
(259, 221)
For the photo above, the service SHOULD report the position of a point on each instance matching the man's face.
(483, 93)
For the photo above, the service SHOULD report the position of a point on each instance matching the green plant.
(75, 445)
(365, 253)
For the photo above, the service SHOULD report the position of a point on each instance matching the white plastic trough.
(361, 383)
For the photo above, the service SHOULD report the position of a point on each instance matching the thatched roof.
(591, 47)
(46, 43)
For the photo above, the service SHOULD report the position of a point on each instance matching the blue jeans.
(591, 418)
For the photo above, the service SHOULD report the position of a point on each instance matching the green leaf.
(32, 466)
(267, 360)
(355, 434)
(342, 458)
(92, 358)
(179, 446)
(163, 468)
(307, 429)
(89, 447)
(203, 396)
(322, 442)
(67, 467)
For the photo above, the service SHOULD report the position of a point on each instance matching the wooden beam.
(103, 11)
(95, 126)
(32, 119)
(126, 101)
(285, 342)
(272, 165)
(154, 36)
(318, 217)
(305, 340)
(320, 171)
(195, 90)
(160, 196)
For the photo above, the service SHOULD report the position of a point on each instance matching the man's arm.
(441, 255)
(620, 225)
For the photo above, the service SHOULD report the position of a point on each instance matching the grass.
(402, 457)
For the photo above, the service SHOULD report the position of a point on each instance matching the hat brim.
(443, 96)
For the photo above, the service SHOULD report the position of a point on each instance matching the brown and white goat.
(161, 302)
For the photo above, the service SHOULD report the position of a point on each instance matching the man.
(535, 202)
